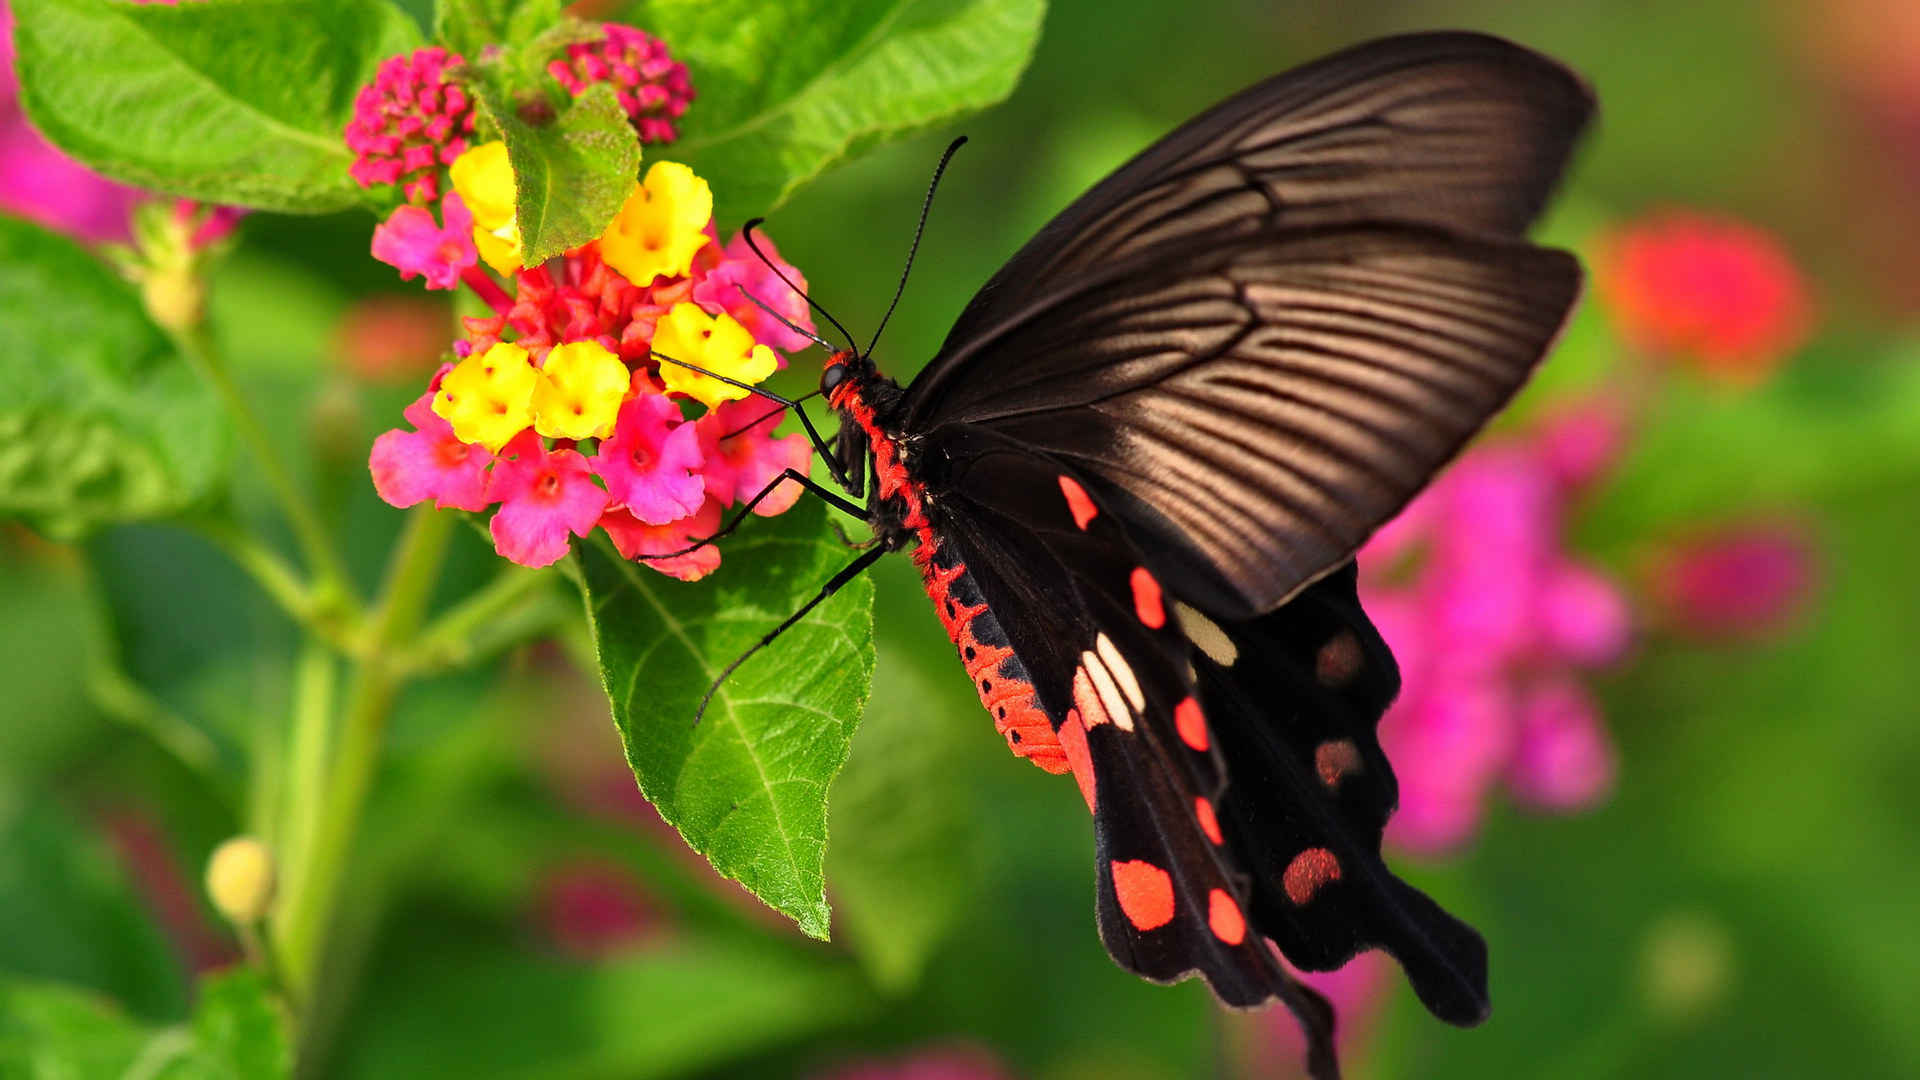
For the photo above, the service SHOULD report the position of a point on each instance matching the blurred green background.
(1742, 904)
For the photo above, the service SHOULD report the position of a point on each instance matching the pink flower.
(652, 86)
(544, 496)
(743, 457)
(652, 461)
(1563, 760)
(1492, 620)
(592, 910)
(40, 183)
(429, 463)
(739, 268)
(635, 539)
(1745, 580)
(391, 338)
(1714, 291)
(1357, 990)
(411, 242)
(409, 123)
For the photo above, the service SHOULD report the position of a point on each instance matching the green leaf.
(71, 915)
(787, 90)
(227, 101)
(747, 785)
(239, 1028)
(571, 173)
(51, 1031)
(905, 863)
(468, 26)
(675, 1011)
(100, 420)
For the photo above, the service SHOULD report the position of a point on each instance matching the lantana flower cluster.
(1496, 626)
(557, 413)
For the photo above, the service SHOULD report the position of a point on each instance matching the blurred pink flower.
(1743, 580)
(387, 338)
(1356, 991)
(1491, 620)
(409, 122)
(945, 1063)
(1712, 291)
(41, 184)
(651, 85)
(590, 910)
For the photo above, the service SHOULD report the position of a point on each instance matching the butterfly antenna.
(852, 570)
(747, 232)
(784, 321)
(938, 171)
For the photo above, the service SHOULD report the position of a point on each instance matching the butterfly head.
(844, 372)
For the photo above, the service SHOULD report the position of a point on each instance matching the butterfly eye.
(831, 377)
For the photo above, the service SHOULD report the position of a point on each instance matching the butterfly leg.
(852, 570)
(834, 498)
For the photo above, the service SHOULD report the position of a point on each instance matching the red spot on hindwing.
(1145, 893)
(1209, 822)
(1224, 918)
(1308, 872)
(1191, 723)
(1334, 759)
(1079, 503)
(1073, 742)
(1146, 598)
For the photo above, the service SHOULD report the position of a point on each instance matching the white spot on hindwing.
(1122, 672)
(1111, 700)
(1207, 635)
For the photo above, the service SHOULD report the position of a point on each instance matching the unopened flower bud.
(240, 879)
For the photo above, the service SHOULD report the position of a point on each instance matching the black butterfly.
(1139, 467)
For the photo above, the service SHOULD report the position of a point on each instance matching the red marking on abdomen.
(1010, 700)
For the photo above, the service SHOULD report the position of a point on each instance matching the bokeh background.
(1660, 631)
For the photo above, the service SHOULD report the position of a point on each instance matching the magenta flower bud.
(408, 123)
(652, 86)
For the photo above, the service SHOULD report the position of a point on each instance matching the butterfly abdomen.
(1001, 680)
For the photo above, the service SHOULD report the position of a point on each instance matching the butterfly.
(1135, 475)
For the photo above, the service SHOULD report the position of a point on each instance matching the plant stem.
(507, 610)
(331, 621)
(313, 709)
(331, 581)
(411, 574)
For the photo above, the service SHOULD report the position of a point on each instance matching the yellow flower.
(488, 397)
(661, 227)
(718, 344)
(483, 179)
(580, 390)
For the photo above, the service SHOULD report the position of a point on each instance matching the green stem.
(113, 693)
(411, 575)
(331, 581)
(512, 607)
(313, 702)
(332, 619)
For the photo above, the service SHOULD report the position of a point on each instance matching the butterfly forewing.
(1260, 403)
(1457, 130)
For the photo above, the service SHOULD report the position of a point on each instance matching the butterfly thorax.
(902, 513)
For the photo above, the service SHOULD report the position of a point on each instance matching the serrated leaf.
(747, 785)
(787, 90)
(468, 26)
(100, 419)
(905, 862)
(226, 101)
(570, 173)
